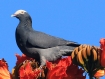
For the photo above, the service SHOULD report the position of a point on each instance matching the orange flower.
(64, 69)
(102, 42)
(99, 73)
(4, 72)
(22, 58)
(26, 72)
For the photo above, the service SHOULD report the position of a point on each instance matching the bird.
(38, 45)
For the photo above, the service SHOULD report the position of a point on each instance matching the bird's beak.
(13, 15)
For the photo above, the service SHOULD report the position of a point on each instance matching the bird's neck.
(27, 22)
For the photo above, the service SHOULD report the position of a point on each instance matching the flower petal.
(99, 73)
(22, 58)
(26, 72)
(64, 69)
(4, 72)
(58, 70)
(74, 72)
(102, 58)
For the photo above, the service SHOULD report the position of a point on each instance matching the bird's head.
(20, 14)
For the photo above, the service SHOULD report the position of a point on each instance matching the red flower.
(4, 72)
(99, 73)
(28, 73)
(22, 58)
(64, 69)
(74, 72)
(102, 45)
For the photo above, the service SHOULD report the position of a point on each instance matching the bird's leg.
(43, 62)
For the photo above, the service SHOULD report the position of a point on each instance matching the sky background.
(82, 21)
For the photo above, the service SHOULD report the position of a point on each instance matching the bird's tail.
(67, 50)
(74, 45)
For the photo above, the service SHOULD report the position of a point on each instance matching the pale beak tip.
(13, 15)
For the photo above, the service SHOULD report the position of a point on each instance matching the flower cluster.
(27, 68)
(64, 69)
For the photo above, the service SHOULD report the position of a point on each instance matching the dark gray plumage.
(39, 45)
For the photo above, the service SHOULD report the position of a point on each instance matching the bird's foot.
(41, 68)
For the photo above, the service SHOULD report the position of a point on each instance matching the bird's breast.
(20, 36)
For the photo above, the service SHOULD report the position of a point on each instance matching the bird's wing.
(42, 40)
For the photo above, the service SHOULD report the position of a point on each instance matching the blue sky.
(82, 21)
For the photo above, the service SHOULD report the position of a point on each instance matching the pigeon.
(38, 45)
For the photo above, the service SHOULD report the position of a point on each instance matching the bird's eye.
(22, 12)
